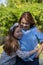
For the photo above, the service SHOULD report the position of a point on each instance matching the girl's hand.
(42, 46)
(40, 50)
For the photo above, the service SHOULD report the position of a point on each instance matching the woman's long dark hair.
(11, 43)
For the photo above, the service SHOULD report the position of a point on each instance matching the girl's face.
(24, 24)
(18, 33)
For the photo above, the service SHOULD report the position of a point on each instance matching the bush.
(10, 15)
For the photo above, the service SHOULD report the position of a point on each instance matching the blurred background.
(11, 10)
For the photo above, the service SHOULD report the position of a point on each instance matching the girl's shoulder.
(34, 29)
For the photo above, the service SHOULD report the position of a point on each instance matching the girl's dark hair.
(11, 43)
(28, 17)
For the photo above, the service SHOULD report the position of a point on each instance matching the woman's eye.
(19, 31)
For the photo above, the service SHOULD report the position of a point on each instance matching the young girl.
(30, 39)
(11, 47)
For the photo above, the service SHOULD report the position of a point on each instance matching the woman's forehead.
(18, 28)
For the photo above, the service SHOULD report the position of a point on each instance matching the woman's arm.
(24, 54)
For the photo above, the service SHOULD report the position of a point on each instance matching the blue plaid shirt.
(7, 60)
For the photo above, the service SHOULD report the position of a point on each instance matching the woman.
(11, 47)
(30, 39)
(6, 59)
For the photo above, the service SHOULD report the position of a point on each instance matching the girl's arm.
(40, 50)
(24, 54)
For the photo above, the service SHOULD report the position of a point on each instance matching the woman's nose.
(24, 25)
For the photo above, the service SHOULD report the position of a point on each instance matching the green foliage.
(7, 18)
(9, 15)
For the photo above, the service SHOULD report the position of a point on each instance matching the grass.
(41, 55)
(1, 49)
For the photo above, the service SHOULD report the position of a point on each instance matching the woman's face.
(24, 24)
(18, 33)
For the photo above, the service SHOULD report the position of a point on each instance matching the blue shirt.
(30, 40)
